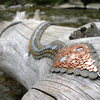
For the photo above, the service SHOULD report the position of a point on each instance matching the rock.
(70, 71)
(48, 6)
(84, 73)
(2, 7)
(76, 72)
(1, 73)
(93, 6)
(93, 75)
(75, 1)
(78, 4)
(30, 5)
(57, 70)
(53, 70)
(63, 70)
(70, 5)
(15, 7)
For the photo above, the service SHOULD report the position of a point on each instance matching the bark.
(34, 74)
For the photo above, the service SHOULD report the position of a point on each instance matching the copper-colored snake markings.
(78, 59)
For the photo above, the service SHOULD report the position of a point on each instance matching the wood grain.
(35, 74)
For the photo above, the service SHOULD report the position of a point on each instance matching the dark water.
(9, 88)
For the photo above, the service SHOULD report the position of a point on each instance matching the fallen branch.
(32, 73)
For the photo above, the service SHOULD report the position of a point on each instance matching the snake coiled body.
(66, 59)
(37, 49)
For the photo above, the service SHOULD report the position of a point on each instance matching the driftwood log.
(34, 74)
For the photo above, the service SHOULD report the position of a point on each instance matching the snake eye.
(79, 49)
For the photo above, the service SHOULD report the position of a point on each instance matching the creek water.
(9, 88)
(67, 17)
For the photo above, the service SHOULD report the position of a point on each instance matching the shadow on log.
(34, 74)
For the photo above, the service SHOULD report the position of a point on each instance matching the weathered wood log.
(34, 74)
(65, 87)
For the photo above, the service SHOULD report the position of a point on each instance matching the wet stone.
(70, 71)
(84, 73)
(63, 70)
(76, 72)
(93, 75)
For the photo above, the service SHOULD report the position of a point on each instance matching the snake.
(37, 49)
(51, 51)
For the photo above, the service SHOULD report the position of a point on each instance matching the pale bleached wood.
(36, 95)
(15, 61)
(15, 42)
(67, 87)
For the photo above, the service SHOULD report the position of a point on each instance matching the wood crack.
(45, 93)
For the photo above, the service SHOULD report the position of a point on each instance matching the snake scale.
(56, 50)
(37, 49)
